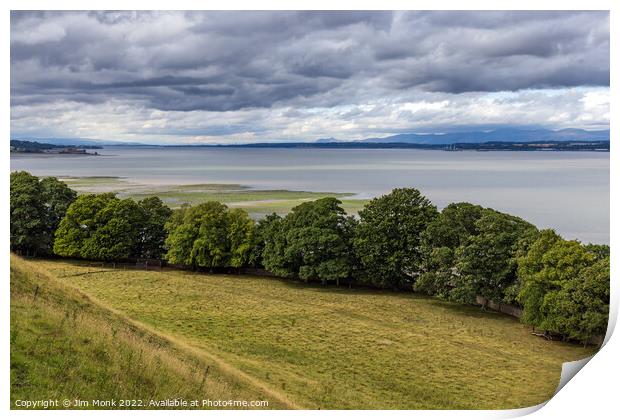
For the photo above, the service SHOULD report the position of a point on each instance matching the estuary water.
(567, 191)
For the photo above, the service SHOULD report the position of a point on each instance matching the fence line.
(504, 308)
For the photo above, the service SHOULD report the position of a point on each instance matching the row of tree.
(400, 240)
(48, 218)
(104, 227)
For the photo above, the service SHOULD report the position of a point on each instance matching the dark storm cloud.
(222, 61)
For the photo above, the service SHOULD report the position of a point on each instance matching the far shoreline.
(454, 147)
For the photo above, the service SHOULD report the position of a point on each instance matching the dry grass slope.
(320, 347)
(64, 345)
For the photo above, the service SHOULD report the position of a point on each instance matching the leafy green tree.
(103, 227)
(564, 287)
(118, 232)
(275, 257)
(589, 293)
(487, 264)
(600, 251)
(439, 274)
(266, 228)
(57, 198)
(80, 222)
(389, 235)
(535, 278)
(209, 235)
(36, 210)
(211, 247)
(444, 235)
(153, 234)
(453, 227)
(181, 236)
(313, 242)
(29, 222)
(240, 237)
(563, 263)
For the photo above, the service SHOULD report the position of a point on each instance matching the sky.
(243, 77)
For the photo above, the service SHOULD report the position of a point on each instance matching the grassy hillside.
(324, 347)
(65, 346)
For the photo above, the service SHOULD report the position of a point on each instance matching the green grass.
(176, 196)
(282, 207)
(65, 346)
(96, 184)
(256, 202)
(327, 347)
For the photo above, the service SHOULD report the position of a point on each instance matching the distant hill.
(511, 135)
(504, 135)
(31, 146)
(38, 147)
(79, 142)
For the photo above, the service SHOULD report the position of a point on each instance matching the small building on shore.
(73, 151)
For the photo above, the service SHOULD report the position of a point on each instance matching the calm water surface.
(568, 191)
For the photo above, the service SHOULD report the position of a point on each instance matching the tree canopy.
(101, 226)
(80, 223)
(57, 197)
(487, 263)
(313, 242)
(117, 233)
(209, 235)
(265, 229)
(37, 206)
(564, 287)
(388, 238)
(451, 230)
(153, 235)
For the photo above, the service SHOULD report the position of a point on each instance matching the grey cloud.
(406, 112)
(218, 61)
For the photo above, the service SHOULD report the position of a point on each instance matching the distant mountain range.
(509, 135)
(503, 135)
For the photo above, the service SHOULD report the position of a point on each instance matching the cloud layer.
(242, 76)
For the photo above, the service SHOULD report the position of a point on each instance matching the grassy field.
(65, 346)
(327, 347)
(256, 202)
